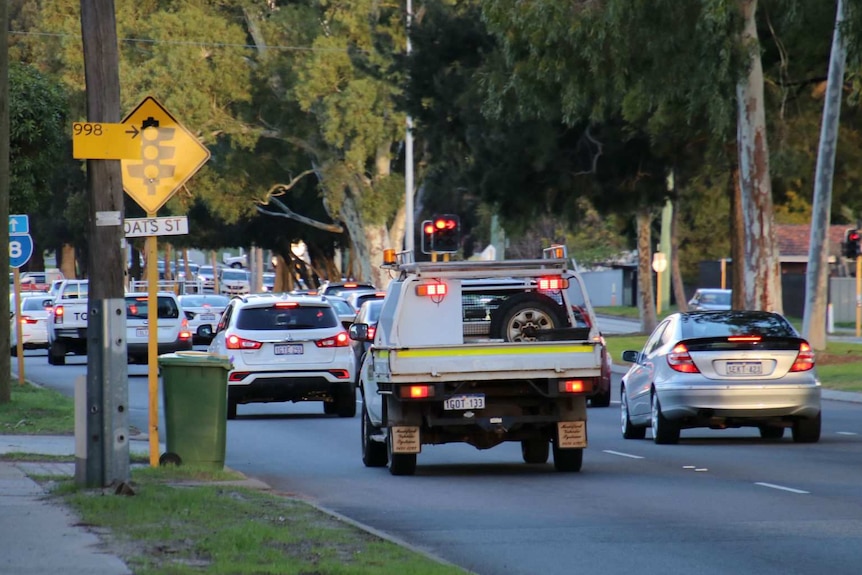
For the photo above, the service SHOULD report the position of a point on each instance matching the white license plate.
(289, 349)
(141, 332)
(744, 368)
(471, 401)
(207, 317)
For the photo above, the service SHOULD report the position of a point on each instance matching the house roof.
(793, 239)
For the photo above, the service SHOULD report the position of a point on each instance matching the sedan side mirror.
(358, 332)
(631, 356)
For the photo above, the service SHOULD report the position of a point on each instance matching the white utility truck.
(480, 352)
(67, 322)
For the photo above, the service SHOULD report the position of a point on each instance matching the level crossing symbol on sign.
(170, 155)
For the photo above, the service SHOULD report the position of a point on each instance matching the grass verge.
(37, 411)
(183, 520)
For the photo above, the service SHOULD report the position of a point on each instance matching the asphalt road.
(719, 502)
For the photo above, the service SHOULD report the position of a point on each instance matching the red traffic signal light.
(851, 243)
(447, 234)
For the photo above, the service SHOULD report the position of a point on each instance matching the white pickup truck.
(480, 353)
(67, 322)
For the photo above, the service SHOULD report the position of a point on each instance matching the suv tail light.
(185, 334)
(236, 342)
(339, 340)
(28, 320)
(680, 360)
(804, 359)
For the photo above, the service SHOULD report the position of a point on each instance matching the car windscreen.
(138, 307)
(346, 289)
(714, 298)
(722, 324)
(234, 275)
(283, 317)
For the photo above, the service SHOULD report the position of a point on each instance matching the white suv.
(286, 347)
(174, 334)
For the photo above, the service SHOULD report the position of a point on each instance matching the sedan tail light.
(680, 360)
(804, 359)
(339, 340)
(237, 342)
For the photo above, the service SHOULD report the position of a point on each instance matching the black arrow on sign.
(133, 132)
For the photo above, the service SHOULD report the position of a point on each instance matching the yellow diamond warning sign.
(170, 155)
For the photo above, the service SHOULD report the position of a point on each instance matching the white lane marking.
(782, 488)
(688, 466)
(845, 433)
(621, 454)
(701, 469)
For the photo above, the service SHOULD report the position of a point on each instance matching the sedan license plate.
(459, 402)
(289, 349)
(744, 368)
(141, 332)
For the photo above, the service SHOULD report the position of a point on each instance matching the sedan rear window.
(280, 318)
(722, 324)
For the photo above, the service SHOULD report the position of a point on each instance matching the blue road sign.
(19, 224)
(20, 250)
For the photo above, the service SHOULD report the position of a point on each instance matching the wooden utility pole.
(5, 145)
(106, 458)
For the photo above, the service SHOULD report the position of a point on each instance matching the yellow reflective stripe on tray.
(525, 350)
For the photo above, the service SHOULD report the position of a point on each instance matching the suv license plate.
(472, 401)
(744, 368)
(207, 317)
(141, 332)
(288, 349)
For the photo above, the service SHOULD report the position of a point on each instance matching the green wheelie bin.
(194, 392)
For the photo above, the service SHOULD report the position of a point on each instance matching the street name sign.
(170, 155)
(170, 226)
(103, 141)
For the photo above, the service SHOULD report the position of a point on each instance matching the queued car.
(203, 312)
(233, 281)
(172, 325)
(368, 315)
(718, 370)
(357, 298)
(346, 312)
(33, 323)
(206, 276)
(268, 279)
(286, 347)
(710, 299)
(344, 288)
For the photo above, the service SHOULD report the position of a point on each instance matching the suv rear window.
(138, 308)
(280, 318)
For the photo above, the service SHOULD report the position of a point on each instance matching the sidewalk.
(41, 537)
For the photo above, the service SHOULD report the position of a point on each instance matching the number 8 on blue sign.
(20, 250)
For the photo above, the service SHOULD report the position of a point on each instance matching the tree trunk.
(737, 244)
(67, 261)
(646, 295)
(817, 273)
(676, 277)
(762, 273)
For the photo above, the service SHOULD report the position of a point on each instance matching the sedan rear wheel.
(807, 430)
(628, 428)
(663, 431)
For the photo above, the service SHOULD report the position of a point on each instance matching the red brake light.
(680, 360)
(287, 304)
(58, 314)
(236, 342)
(350, 285)
(372, 329)
(432, 290)
(553, 283)
(804, 359)
(339, 340)
(416, 391)
(575, 386)
(28, 320)
(744, 338)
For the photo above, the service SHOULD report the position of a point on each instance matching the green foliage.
(34, 410)
(38, 122)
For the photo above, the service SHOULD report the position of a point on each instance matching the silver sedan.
(721, 369)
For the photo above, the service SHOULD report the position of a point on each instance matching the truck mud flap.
(572, 434)
(405, 439)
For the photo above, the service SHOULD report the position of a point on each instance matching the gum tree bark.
(762, 274)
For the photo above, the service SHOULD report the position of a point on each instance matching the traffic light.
(447, 234)
(851, 243)
(427, 237)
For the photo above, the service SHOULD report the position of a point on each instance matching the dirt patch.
(823, 358)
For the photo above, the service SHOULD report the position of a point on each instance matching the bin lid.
(195, 359)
